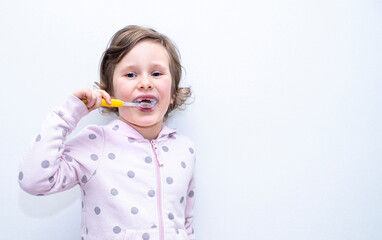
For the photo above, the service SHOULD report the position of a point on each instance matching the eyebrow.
(158, 65)
(128, 66)
(153, 65)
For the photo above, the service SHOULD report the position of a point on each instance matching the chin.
(146, 122)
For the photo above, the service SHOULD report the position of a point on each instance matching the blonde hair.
(121, 43)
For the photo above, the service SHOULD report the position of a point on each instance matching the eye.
(130, 75)
(156, 74)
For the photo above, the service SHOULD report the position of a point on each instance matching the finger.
(98, 101)
(86, 94)
(105, 96)
(92, 100)
(97, 96)
(82, 93)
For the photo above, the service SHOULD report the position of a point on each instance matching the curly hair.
(121, 43)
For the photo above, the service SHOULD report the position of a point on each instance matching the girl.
(136, 174)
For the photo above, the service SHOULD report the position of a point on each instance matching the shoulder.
(185, 141)
(93, 131)
(90, 135)
(182, 138)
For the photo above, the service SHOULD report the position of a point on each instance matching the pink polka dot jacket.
(132, 188)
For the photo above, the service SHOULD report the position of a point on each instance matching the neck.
(148, 132)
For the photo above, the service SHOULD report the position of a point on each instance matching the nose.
(145, 83)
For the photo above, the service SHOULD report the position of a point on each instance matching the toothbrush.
(119, 103)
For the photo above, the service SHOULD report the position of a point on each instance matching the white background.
(286, 118)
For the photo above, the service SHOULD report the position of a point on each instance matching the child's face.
(144, 73)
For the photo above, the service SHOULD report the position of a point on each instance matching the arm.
(189, 212)
(52, 165)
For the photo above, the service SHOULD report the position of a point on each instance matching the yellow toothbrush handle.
(114, 103)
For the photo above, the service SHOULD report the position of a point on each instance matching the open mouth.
(146, 102)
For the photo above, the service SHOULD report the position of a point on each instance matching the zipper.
(158, 164)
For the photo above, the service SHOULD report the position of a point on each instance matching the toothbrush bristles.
(145, 105)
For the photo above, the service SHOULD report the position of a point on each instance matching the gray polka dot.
(51, 179)
(45, 164)
(130, 174)
(94, 157)
(68, 158)
(84, 179)
(182, 199)
(111, 156)
(61, 113)
(191, 194)
(116, 127)
(134, 210)
(169, 180)
(148, 159)
(66, 150)
(151, 193)
(116, 229)
(191, 150)
(87, 230)
(146, 236)
(130, 140)
(170, 216)
(63, 186)
(97, 210)
(154, 226)
(38, 138)
(172, 137)
(64, 180)
(84, 192)
(165, 148)
(92, 136)
(64, 132)
(183, 164)
(21, 176)
(177, 231)
(114, 192)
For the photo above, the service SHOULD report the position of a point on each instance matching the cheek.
(122, 91)
(170, 90)
(169, 93)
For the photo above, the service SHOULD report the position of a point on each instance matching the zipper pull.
(157, 154)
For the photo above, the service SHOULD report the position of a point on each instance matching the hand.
(93, 97)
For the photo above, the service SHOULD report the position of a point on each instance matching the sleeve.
(53, 164)
(189, 212)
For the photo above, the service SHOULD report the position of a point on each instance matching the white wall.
(286, 119)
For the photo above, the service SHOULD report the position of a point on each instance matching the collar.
(127, 130)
